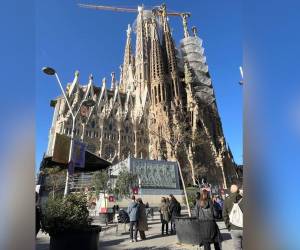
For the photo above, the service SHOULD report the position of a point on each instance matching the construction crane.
(129, 10)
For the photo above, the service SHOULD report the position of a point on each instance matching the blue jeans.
(133, 224)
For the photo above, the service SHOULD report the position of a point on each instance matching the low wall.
(152, 196)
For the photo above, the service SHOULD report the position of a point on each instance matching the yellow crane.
(158, 9)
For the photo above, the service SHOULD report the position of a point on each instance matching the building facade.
(162, 107)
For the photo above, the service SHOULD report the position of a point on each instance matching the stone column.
(135, 144)
(119, 143)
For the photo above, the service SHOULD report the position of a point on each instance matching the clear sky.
(70, 38)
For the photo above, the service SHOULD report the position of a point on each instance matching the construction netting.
(191, 51)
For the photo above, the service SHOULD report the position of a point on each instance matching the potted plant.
(67, 222)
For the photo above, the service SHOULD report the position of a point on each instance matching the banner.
(135, 190)
(111, 198)
(78, 154)
(61, 148)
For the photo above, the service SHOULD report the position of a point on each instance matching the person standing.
(175, 210)
(164, 216)
(234, 199)
(210, 232)
(132, 211)
(217, 208)
(142, 219)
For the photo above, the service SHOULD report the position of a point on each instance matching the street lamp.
(85, 102)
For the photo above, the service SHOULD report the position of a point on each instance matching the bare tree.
(55, 179)
(183, 140)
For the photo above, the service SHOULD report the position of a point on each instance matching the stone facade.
(162, 107)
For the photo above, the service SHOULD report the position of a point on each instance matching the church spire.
(158, 83)
(170, 57)
(74, 84)
(169, 44)
(141, 62)
(156, 59)
(127, 59)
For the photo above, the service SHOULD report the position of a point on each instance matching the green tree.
(124, 183)
(100, 181)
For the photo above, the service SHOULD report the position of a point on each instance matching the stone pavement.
(113, 239)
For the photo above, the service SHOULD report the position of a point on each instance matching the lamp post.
(85, 102)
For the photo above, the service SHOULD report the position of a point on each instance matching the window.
(159, 97)
(93, 123)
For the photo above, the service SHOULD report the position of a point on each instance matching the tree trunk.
(185, 194)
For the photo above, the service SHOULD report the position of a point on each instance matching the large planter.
(187, 230)
(190, 230)
(87, 239)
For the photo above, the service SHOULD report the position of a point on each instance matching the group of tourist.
(169, 209)
(209, 209)
(137, 218)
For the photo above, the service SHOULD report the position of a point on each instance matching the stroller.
(123, 216)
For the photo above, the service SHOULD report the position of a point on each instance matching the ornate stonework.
(162, 107)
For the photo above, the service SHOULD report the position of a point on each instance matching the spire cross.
(195, 31)
(185, 26)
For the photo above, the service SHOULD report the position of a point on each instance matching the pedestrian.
(132, 211)
(220, 201)
(234, 202)
(175, 210)
(209, 230)
(164, 216)
(142, 219)
(37, 214)
(147, 204)
(217, 208)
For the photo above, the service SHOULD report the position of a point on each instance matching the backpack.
(236, 215)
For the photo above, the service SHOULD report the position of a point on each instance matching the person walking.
(132, 211)
(234, 203)
(209, 230)
(175, 210)
(142, 219)
(164, 216)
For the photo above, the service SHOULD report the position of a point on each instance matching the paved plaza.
(117, 238)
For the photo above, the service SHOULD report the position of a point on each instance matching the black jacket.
(209, 231)
(205, 213)
(174, 209)
(228, 204)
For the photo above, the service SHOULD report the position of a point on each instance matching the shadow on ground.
(110, 243)
(226, 236)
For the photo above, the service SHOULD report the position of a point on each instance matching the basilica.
(161, 107)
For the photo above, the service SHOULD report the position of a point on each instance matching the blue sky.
(70, 38)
